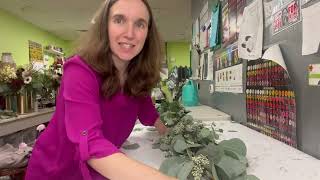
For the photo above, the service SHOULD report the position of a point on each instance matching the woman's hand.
(161, 128)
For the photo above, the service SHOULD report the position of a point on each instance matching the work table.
(269, 159)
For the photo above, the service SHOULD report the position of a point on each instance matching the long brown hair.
(143, 71)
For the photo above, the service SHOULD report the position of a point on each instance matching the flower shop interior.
(239, 88)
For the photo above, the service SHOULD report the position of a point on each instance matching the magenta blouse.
(85, 125)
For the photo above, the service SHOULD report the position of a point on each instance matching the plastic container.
(190, 94)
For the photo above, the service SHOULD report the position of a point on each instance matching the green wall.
(15, 33)
(179, 52)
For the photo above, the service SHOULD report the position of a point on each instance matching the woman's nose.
(130, 31)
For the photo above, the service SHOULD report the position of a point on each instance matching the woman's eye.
(140, 25)
(118, 21)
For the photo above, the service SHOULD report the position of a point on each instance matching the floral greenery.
(48, 86)
(7, 74)
(43, 83)
(56, 71)
(14, 81)
(193, 152)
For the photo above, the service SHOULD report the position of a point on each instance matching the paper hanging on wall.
(210, 66)
(241, 4)
(303, 2)
(251, 32)
(229, 79)
(273, 53)
(225, 24)
(214, 40)
(310, 29)
(285, 14)
(314, 74)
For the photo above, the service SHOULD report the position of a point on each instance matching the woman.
(105, 87)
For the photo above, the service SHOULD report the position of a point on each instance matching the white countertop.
(268, 158)
(206, 113)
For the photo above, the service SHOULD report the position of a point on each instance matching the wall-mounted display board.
(271, 107)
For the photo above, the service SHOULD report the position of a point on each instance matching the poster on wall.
(284, 15)
(314, 74)
(225, 25)
(229, 79)
(214, 34)
(241, 4)
(232, 21)
(200, 68)
(196, 32)
(205, 66)
(303, 2)
(251, 32)
(204, 23)
(210, 66)
(228, 57)
(310, 29)
(36, 55)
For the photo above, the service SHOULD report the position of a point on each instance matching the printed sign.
(286, 16)
(314, 74)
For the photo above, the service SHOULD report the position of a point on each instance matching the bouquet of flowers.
(7, 75)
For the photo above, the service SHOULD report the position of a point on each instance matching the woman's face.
(128, 28)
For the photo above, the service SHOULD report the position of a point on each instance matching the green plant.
(192, 149)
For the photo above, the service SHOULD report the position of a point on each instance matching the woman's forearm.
(120, 167)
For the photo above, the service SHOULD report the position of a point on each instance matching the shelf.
(11, 125)
(54, 52)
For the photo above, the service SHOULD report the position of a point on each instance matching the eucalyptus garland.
(192, 150)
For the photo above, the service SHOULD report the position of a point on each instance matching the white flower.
(24, 74)
(41, 127)
(27, 80)
(55, 76)
(23, 146)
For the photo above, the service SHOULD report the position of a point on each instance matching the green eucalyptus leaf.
(169, 163)
(214, 172)
(176, 137)
(241, 177)
(229, 168)
(164, 147)
(133, 146)
(251, 177)
(185, 170)
(236, 156)
(213, 152)
(189, 153)
(215, 135)
(37, 85)
(207, 174)
(169, 121)
(180, 145)
(156, 146)
(236, 145)
(174, 170)
(194, 145)
(205, 132)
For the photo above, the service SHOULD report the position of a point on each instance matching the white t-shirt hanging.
(251, 32)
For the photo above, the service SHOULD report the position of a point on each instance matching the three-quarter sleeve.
(147, 112)
(82, 115)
